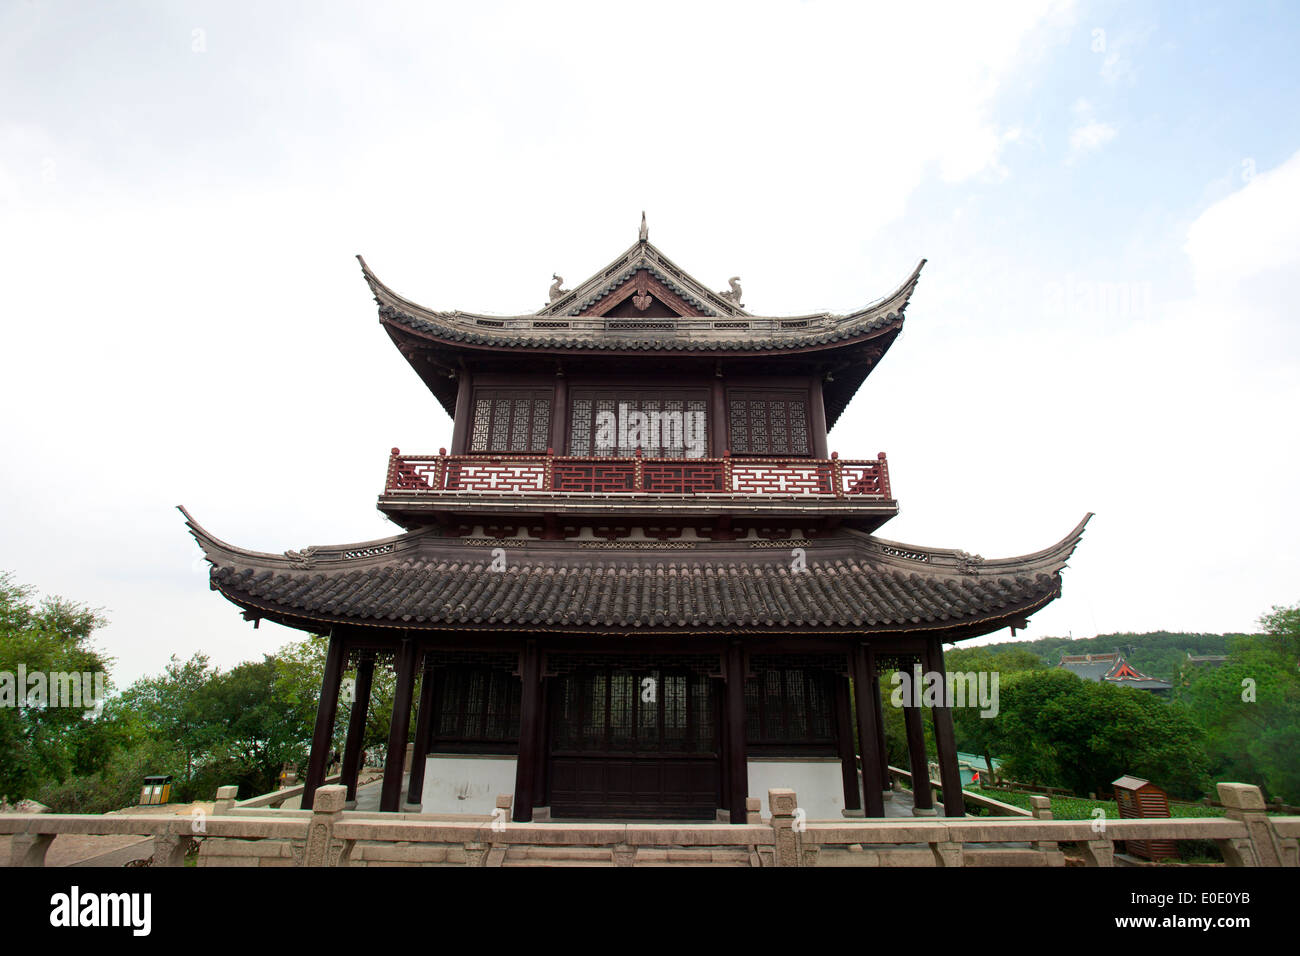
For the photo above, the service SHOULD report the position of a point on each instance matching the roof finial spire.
(644, 235)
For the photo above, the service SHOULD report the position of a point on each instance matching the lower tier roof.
(853, 584)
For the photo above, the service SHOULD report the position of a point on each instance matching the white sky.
(1105, 323)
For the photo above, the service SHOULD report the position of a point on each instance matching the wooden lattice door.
(628, 742)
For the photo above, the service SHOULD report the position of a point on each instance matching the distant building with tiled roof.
(1112, 668)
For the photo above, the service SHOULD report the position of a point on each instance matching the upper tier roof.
(855, 584)
(643, 304)
(704, 321)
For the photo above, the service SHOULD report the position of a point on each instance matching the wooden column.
(844, 738)
(922, 794)
(873, 799)
(423, 726)
(720, 718)
(882, 749)
(357, 721)
(737, 769)
(394, 761)
(818, 412)
(541, 778)
(945, 738)
(718, 416)
(460, 430)
(530, 722)
(323, 735)
(560, 414)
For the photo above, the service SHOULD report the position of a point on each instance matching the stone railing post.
(948, 852)
(170, 849)
(1042, 810)
(785, 840)
(753, 810)
(624, 854)
(320, 848)
(29, 849)
(1261, 846)
(225, 800)
(1098, 852)
(498, 848)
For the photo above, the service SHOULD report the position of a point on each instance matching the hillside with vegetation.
(1160, 654)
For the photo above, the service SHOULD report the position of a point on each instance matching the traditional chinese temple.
(1113, 668)
(636, 583)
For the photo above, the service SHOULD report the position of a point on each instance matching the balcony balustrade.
(727, 477)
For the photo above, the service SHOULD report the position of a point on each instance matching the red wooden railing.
(552, 474)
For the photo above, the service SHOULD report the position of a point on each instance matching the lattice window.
(790, 708)
(511, 420)
(663, 423)
(606, 710)
(477, 708)
(768, 423)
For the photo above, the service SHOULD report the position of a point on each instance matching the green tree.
(1054, 728)
(1249, 707)
(39, 742)
(172, 707)
(254, 725)
(973, 731)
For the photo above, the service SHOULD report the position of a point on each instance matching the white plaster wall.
(465, 784)
(818, 784)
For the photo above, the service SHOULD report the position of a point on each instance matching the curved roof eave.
(479, 332)
(1050, 560)
(214, 548)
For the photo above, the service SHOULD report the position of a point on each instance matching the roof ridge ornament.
(303, 559)
(556, 291)
(644, 234)
(734, 293)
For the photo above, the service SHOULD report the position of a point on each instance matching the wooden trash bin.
(156, 790)
(1142, 799)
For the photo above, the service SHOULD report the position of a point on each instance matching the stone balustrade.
(328, 835)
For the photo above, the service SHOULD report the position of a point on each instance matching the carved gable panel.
(642, 295)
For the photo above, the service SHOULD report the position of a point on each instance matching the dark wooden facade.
(633, 616)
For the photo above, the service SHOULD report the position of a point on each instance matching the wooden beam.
(357, 721)
(323, 734)
(395, 760)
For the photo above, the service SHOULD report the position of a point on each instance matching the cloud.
(1251, 232)
(1091, 136)
(1116, 48)
(1088, 133)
